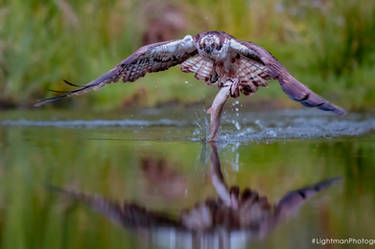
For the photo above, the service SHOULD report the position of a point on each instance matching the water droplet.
(236, 124)
(235, 103)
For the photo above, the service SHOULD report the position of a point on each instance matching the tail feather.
(110, 76)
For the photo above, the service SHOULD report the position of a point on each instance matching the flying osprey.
(217, 58)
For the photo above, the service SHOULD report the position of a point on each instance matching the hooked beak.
(208, 49)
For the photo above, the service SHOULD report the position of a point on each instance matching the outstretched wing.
(150, 58)
(292, 87)
(294, 199)
(126, 214)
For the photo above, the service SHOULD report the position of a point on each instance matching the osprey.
(217, 58)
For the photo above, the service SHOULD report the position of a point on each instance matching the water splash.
(236, 109)
(236, 124)
(249, 127)
(287, 127)
(202, 129)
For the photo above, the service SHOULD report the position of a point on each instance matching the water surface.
(147, 179)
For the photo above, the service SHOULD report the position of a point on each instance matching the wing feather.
(126, 214)
(202, 68)
(294, 199)
(150, 58)
(292, 87)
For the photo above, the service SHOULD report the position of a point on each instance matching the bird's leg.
(234, 88)
(216, 109)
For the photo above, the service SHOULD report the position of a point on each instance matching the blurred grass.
(328, 45)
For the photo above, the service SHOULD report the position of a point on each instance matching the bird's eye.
(218, 47)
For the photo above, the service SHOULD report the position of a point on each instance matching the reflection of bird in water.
(212, 222)
(219, 59)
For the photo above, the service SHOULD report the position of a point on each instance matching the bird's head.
(211, 45)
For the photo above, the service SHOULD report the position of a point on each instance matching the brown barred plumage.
(202, 68)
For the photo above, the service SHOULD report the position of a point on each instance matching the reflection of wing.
(150, 58)
(294, 199)
(127, 214)
(292, 87)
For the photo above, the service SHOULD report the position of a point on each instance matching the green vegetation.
(328, 45)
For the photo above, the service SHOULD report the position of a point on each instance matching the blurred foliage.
(328, 45)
